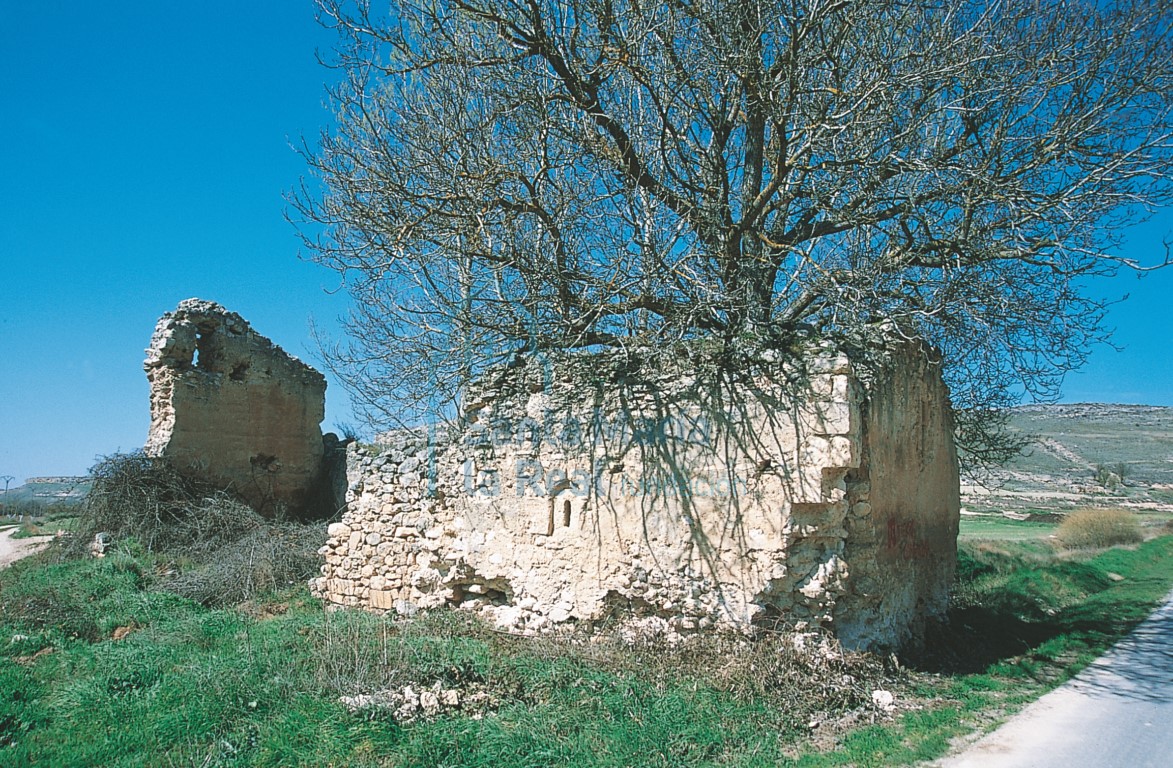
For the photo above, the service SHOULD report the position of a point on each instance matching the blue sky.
(144, 152)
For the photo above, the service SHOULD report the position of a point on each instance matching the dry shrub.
(216, 550)
(805, 678)
(809, 677)
(142, 497)
(1099, 529)
(270, 557)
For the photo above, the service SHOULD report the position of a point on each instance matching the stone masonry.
(231, 408)
(587, 490)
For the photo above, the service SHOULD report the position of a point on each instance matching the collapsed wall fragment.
(596, 487)
(230, 408)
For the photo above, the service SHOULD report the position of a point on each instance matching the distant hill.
(1085, 454)
(47, 490)
(1074, 448)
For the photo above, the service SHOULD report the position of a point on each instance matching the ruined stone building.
(666, 496)
(230, 408)
(592, 489)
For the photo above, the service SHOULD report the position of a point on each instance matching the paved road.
(12, 549)
(1117, 712)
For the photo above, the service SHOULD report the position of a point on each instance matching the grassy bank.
(98, 667)
(1024, 620)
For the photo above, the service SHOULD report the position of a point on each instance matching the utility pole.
(7, 479)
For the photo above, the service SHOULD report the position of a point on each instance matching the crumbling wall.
(905, 502)
(580, 490)
(231, 408)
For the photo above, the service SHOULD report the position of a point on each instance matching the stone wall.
(231, 408)
(592, 488)
(906, 501)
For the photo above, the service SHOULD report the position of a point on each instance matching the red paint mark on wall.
(904, 538)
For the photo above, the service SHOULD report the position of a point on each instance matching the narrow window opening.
(566, 514)
(201, 343)
(209, 354)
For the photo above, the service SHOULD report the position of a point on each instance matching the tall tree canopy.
(524, 174)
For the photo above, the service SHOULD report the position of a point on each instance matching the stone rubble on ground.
(884, 700)
(412, 703)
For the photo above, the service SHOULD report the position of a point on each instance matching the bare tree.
(522, 174)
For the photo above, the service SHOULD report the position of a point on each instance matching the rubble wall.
(582, 491)
(231, 408)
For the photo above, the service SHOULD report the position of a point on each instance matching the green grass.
(39, 527)
(1002, 528)
(259, 684)
(1025, 621)
(191, 684)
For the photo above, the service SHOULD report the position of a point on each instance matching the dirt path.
(12, 549)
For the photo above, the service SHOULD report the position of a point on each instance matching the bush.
(143, 497)
(264, 560)
(208, 546)
(1099, 529)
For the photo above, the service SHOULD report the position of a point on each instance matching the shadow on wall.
(692, 491)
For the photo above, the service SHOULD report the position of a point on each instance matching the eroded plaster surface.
(584, 490)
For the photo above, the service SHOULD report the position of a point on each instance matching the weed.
(207, 546)
(140, 496)
(1099, 529)
(29, 530)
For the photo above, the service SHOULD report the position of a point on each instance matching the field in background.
(1076, 461)
(45, 490)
